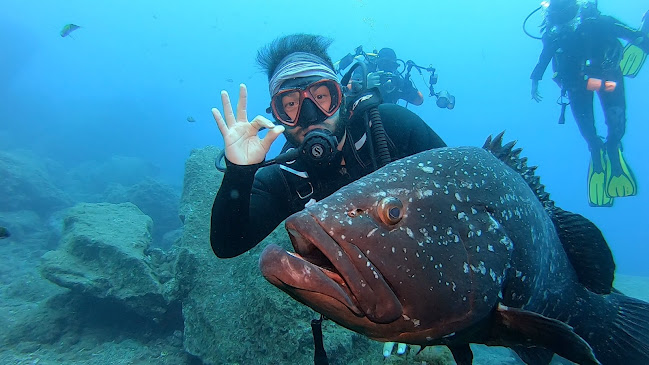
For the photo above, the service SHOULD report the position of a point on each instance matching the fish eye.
(390, 210)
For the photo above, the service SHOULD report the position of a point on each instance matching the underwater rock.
(231, 314)
(89, 181)
(157, 200)
(27, 185)
(104, 253)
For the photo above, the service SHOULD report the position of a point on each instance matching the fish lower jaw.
(351, 301)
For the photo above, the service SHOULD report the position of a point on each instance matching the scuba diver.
(391, 76)
(584, 48)
(333, 138)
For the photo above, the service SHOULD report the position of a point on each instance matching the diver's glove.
(389, 346)
(374, 79)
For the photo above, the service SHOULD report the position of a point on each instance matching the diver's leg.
(614, 106)
(581, 104)
(620, 181)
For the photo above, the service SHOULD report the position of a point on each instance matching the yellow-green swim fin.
(597, 196)
(633, 56)
(632, 60)
(622, 184)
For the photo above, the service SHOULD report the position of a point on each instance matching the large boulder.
(104, 253)
(157, 200)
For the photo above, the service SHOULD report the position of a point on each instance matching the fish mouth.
(327, 274)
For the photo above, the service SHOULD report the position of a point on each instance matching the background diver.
(585, 51)
(391, 76)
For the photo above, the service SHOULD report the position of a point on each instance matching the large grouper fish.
(463, 245)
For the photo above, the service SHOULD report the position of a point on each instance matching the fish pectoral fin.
(518, 326)
(533, 355)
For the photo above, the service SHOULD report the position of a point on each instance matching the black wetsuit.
(253, 201)
(591, 50)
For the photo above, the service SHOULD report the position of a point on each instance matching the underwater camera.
(389, 81)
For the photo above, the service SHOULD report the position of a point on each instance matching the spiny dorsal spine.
(511, 157)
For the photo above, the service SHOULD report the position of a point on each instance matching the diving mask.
(287, 104)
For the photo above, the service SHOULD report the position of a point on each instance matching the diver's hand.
(535, 91)
(242, 143)
(374, 79)
(389, 346)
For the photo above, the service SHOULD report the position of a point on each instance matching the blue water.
(129, 78)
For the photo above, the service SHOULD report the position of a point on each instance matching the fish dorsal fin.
(587, 250)
(511, 157)
(582, 241)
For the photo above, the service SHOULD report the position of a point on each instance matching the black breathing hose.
(525, 23)
(379, 136)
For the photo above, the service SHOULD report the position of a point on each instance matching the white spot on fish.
(452, 207)
(466, 268)
(392, 249)
(458, 197)
(409, 232)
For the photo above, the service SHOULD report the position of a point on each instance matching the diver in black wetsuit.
(307, 104)
(252, 201)
(584, 48)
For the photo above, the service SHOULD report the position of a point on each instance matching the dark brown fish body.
(4, 233)
(450, 246)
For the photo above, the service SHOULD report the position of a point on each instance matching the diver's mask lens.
(325, 94)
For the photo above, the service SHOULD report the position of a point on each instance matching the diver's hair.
(269, 57)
